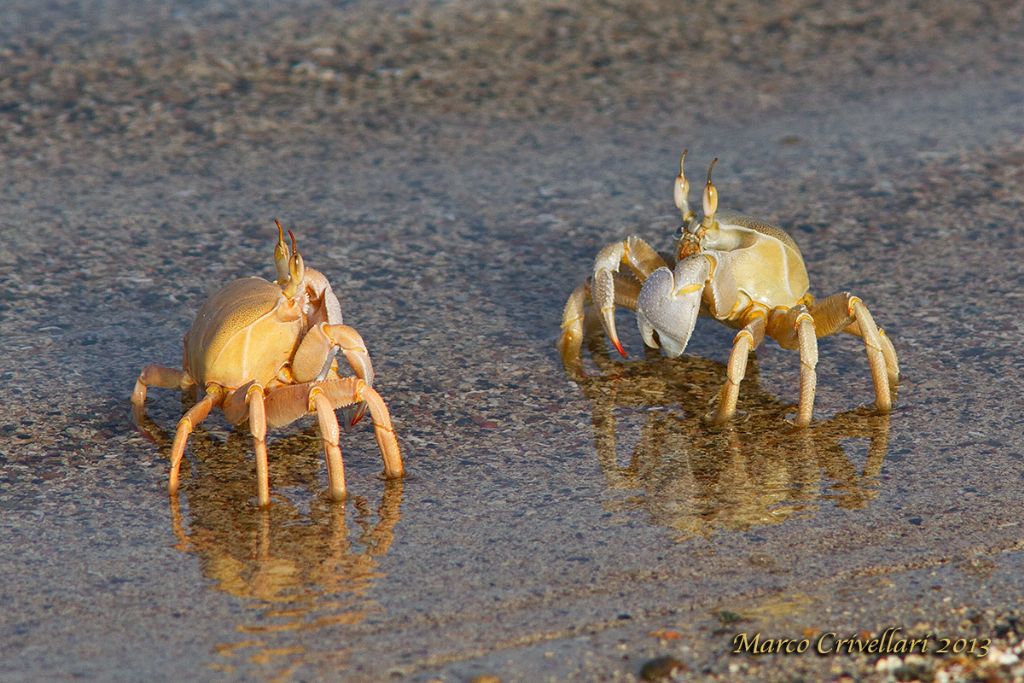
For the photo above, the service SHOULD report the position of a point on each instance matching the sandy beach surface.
(454, 167)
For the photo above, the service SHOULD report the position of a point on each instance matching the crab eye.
(690, 231)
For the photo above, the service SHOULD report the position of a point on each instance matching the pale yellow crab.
(744, 273)
(265, 351)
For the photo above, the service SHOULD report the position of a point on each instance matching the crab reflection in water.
(699, 480)
(295, 571)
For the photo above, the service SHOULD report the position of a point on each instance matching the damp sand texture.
(454, 168)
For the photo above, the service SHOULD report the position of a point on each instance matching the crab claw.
(352, 415)
(669, 304)
(603, 292)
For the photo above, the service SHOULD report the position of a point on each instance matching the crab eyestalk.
(296, 269)
(710, 197)
(281, 256)
(693, 231)
(682, 192)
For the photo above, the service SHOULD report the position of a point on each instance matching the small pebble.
(661, 668)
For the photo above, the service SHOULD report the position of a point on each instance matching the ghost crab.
(265, 351)
(743, 272)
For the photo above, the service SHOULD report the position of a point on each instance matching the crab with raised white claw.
(744, 273)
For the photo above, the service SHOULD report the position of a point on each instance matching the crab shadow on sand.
(295, 567)
(757, 470)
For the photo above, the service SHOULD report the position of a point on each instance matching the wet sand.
(454, 168)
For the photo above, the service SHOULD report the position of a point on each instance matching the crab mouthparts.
(688, 246)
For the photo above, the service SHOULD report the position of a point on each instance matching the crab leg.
(195, 415)
(642, 260)
(846, 312)
(319, 403)
(349, 390)
(313, 358)
(158, 376)
(796, 328)
(285, 404)
(876, 357)
(834, 314)
(574, 315)
(383, 430)
(892, 364)
(808, 363)
(258, 428)
(745, 341)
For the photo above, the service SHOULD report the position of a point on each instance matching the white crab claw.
(669, 304)
(646, 329)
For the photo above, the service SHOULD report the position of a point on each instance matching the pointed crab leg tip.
(622, 351)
